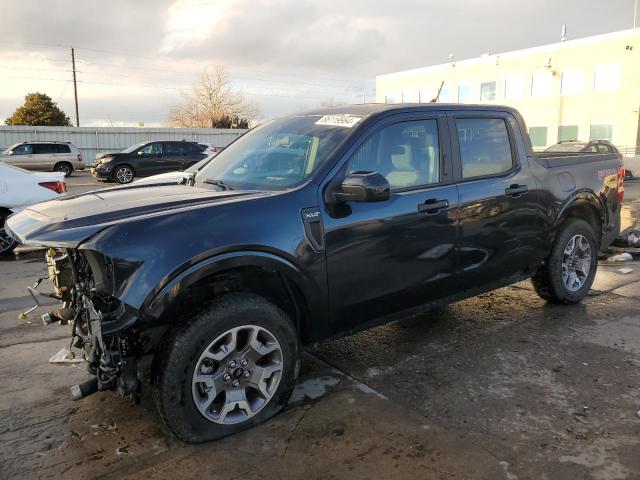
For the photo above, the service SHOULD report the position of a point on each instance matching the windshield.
(566, 147)
(133, 148)
(280, 154)
(6, 151)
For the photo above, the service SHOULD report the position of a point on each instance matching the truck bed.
(556, 159)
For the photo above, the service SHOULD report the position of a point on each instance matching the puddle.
(313, 388)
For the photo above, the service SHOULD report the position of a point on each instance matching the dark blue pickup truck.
(307, 227)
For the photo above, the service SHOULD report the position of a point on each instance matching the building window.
(446, 95)
(606, 77)
(572, 82)
(541, 84)
(601, 132)
(567, 133)
(538, 136)
(465, 94)
(389, 99)
(513, 87)
(487, 91)
(409, 96)
(425, 95)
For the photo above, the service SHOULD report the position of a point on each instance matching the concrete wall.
(589, 105)
(91, 141)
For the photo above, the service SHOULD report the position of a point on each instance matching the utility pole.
(75, 86)
(635, 14)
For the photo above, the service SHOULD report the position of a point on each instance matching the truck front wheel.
(568, 273)
(230, 368)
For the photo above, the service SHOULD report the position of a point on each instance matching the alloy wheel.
(576, 262)
(237, 374)
(124, 175)
(64, 168)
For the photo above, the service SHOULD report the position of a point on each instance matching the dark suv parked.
(147, 158)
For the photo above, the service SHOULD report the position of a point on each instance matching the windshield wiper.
(218, 183)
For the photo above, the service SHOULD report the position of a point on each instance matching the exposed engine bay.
(111, 356)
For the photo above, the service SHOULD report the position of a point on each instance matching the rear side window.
(62, 148)
(485, 148)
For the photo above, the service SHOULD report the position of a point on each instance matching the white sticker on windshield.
(346, 121)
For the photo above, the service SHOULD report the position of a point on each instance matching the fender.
(580, 198)
(165, 293)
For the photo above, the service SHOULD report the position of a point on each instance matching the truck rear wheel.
(570, 270)
(230, 368)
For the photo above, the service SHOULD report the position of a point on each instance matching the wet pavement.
(498, 386)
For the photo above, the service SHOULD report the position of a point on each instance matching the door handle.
(433, 206)
(516, 190)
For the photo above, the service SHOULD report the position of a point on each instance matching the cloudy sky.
(135, 57)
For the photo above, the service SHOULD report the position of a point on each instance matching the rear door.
(173, 156)
(44, 155)
(388, 256)
(501, 222)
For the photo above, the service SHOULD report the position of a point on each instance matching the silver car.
(44, 156)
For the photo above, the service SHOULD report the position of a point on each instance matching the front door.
(149, 159)
(389, 256)
(23, 157)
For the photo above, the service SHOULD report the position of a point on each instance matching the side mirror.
(140, 152)
(11, 152)
(363, 187)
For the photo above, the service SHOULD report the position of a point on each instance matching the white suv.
(44, 156)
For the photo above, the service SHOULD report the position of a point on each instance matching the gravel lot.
(498, 386)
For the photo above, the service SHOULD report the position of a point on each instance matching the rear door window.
(44, 148)
(485, 148)
(173, 148)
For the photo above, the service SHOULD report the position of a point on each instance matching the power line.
(140, 85)
(195, 63)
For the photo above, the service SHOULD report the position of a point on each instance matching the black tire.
(548, 281)
(176, 361)
(123, 174)
(7, 244)
(64, 167)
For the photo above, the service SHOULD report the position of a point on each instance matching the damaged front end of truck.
(101, 325)
(105, 254)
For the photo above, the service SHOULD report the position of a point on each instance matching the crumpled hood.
(67, 221)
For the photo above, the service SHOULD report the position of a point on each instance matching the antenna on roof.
(563, 38)
(437, 97)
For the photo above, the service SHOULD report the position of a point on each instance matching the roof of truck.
(365, 109)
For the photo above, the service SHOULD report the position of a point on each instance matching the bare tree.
(212, 103)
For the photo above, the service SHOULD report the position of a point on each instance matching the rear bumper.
(613, 231)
